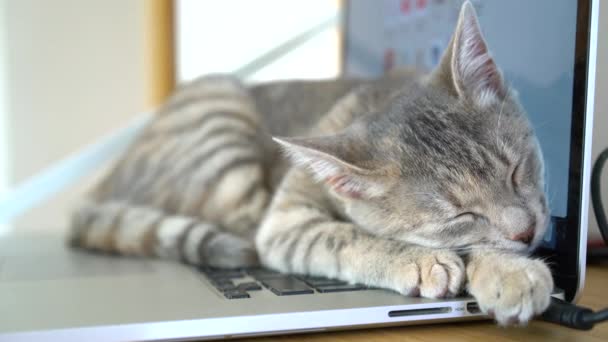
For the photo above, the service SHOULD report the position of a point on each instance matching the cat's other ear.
(467, 68)
(346, 167)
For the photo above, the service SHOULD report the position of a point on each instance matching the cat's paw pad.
(432, 274)
(512, 290)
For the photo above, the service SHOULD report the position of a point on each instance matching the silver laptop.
(49, 292)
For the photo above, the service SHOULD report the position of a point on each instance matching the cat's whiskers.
(547, 182)
(458, 248)
(475, 247)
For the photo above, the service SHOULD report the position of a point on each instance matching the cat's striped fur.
(388, 183)
(198, 180)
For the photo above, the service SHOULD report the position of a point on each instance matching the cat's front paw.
(429, 273)
(511, 288)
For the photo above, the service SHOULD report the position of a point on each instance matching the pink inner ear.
(476, 69)
(342, 184)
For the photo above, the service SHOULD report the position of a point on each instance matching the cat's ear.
(343, 165)
(467, 66)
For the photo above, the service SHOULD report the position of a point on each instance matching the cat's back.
(293, 107)
(217, 120)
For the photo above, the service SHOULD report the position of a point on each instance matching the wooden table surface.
(595, 296)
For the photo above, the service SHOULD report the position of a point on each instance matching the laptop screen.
(534, 47)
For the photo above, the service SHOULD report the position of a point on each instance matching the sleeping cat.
(415, 183)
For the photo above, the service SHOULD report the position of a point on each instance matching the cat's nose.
(526, 236)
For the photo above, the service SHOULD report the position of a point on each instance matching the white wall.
(600, 131)
(221, 36)
(4, 158)
(74, 70)
(4, 138)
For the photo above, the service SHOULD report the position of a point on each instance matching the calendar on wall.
(398, 32)
(426, 23)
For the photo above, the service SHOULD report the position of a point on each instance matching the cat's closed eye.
(467, 216)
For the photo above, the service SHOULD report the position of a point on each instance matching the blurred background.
(74, 72)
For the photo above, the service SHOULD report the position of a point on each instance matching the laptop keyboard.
(236, 284)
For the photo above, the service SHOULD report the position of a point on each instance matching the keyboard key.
(251, 286)
(221, 282)
(340, 288)
(236, 294)
(262, 273)
(320, 281)
(227, 287)
(224, 274)
(286, 286)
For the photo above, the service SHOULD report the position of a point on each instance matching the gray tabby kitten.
(393, 182)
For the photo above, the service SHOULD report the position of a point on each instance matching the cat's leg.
(513, 288)
(119, 227)
(300, 235)
(218, 172)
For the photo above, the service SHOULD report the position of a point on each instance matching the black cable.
(598, 254)
(567, 314)
(572, 316)
(596, 194)
(596, 317)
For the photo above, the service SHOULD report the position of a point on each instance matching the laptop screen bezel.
(567, 257)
